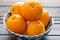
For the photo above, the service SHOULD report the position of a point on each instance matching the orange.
(16, 8)
(35, 28)
(45, 18)
(16, 24)
(31, 10)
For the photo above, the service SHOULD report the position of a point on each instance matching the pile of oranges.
(28, 17)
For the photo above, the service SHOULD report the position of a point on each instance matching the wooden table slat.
(56, 20)
(55, 30)
(53, 11)
(8, 37)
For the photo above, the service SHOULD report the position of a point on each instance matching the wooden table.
(54, 34)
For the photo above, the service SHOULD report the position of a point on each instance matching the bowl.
(25, 37)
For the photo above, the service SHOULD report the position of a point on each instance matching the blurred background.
(44, 2)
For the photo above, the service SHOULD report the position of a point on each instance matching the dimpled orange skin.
(16, 24)
(16, 8)
(35, 28)
(45, 18)
(31, 10)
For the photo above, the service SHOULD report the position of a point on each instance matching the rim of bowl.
(26, 35)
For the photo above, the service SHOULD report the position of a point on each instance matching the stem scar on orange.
(35, 28)
(31, 10)
(16, 8)
(16, 24)
(45, 18)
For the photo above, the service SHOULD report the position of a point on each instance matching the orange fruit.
(31, 10)
(35, 28)
(45, 18)
(16, 8)
(16, 24)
